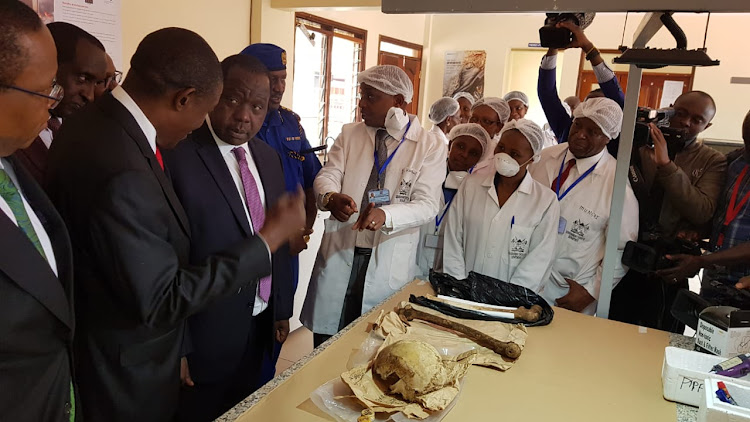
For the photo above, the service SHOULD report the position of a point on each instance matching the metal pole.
(646, 30)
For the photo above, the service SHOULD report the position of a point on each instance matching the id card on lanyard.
(733, 210)
(563, 223)
(381, 196)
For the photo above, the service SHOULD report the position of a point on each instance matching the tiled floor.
(297, 345)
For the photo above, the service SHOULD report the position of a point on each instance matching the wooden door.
(412, 66)
(652, 85)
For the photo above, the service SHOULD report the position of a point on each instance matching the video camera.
(552, 37)
(675, 137)
(649, 254)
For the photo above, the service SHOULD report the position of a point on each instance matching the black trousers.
(207, 401)
(352, 308)
(646, 300)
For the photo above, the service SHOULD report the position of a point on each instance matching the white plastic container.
(714, 410)
(684, 372)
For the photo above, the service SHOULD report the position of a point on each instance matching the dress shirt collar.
(146, 126)
(225, 148)
(583, 164)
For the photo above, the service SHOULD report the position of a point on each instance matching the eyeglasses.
(118, 76)
(55, 94)
(484, 122)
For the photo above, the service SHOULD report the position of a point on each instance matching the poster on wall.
(100, 18)
(464, 72)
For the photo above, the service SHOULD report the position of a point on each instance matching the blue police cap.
(273, 56)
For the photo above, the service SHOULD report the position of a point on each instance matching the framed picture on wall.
(464, 72)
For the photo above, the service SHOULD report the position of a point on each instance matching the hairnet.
(530, 130)
(517, 95)
(463, 94)
(606, 113)
(471, 129)
(442, 109)
(388, 79)
(498, 104)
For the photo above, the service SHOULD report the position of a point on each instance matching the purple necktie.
(255, 206)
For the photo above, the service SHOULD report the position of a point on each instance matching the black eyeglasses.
(55, 94)
(118, 76)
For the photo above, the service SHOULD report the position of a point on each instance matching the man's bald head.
(16, 20)
(175, 58)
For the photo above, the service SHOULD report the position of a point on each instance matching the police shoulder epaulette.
(299, 119)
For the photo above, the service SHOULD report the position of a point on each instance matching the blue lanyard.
(559, 175)
(445, 211)
(390, 157)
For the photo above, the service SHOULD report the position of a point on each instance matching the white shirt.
(146, 126)
(46, 134)
(38, 228)
(585, 210)
(513, 243)
(440, 134)
(233, 165)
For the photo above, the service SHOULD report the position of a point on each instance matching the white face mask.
(454, 179)
(395, 121)
(506, 166)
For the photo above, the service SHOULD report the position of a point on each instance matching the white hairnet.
(471, 129)
(517, 95)
(464, 94)
(388, 79)
(606, 113)
(498, 104)
(442, 109)
(530, 130)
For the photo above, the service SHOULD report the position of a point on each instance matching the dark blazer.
(36, 316)
(131, 249)
(217, 217)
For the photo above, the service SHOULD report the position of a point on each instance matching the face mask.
(454, 179)
(506, 166)
(395, 121)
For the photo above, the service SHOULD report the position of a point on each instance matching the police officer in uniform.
(283, 131)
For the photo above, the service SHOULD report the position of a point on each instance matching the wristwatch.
(326, 199)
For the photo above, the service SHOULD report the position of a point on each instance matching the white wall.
(498, 34)
(225, 28)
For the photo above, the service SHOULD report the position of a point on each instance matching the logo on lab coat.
(518, 247)
(577, 232)
(403, 194)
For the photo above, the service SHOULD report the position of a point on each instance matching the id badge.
(562, 225)
(431, 241)
(379, 197)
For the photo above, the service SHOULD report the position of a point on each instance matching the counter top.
(583, 367)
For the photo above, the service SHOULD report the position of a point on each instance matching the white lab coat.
(586, 210)
(514, 243)
(414, 178)
(439, 133)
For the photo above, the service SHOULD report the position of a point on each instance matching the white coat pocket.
(405, 185)
(520, 240)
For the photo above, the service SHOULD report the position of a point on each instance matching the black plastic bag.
(483, 289)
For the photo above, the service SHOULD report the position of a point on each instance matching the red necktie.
(564, 176)
(159, 159)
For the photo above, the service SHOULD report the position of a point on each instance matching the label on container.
(711, 338)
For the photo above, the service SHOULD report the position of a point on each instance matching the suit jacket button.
(67, 408)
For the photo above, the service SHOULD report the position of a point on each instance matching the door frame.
(420, 51)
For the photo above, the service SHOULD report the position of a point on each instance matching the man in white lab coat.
(445, 113)
(467, 144)
(381, 183)
(582, 172)
(504, 223)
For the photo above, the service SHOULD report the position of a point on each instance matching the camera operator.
(678, 186)
(729, 257)
(558, 118)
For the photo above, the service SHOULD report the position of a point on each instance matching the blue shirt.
(284, 133)
(738, 230)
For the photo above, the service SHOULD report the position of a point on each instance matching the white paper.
(672, 90)
(100, 18)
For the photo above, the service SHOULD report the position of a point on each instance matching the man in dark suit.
(130, 234)
(36, 315)
(210, 173)
(82, 66)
